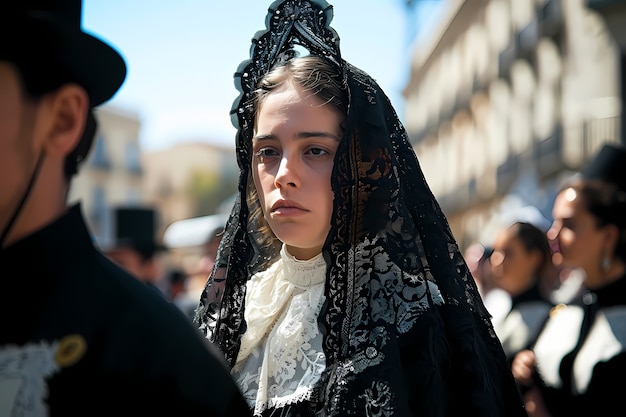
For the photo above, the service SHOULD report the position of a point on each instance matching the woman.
(522, 266)
(496, 300)
(577, 359)
(338, 288)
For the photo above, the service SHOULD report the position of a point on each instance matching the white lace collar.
(281, 358)
(303, 274)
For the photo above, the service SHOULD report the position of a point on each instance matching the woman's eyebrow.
(268, 136)
(316, 134)
(299, 135)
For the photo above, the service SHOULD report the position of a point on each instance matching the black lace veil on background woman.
(405, 330)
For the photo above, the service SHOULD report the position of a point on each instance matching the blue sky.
(181, 56)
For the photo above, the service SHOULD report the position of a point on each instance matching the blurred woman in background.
(573, 367)
(522, 266)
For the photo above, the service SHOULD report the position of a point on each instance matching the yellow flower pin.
(71, 348)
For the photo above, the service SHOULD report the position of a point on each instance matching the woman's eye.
(266, 152)
(318, 151)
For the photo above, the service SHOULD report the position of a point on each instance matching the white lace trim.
(24, 371)
(281, 357)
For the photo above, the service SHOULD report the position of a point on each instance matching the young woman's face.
(579, 241)
(514, 267)
(296, 138)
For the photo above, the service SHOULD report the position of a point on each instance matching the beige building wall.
(169, 172)
(506, 99)
(112, 173)
(118, 173)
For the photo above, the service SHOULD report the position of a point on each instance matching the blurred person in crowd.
(522, 266)
(80, 336)
(571, 278)
(565, 281)
(496, 300)
(176, 279)
(570, 284)
(194, 284)
(134, 244)
(189, 235)
(343, 291)
(197, 278)
(575, 366)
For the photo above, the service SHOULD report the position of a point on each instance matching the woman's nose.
(553, 232)
(287, 174)
(553, 237)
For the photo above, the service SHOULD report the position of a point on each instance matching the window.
(100, 159)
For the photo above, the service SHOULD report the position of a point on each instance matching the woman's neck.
(303, 254)
(602, 278)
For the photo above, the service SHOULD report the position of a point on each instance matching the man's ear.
(67, 112)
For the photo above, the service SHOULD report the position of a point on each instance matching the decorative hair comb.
(289, 23)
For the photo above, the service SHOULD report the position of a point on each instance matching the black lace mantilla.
(405, 330)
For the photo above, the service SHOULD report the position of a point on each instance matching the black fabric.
(390, 349)
(531, 294)
(119, 348)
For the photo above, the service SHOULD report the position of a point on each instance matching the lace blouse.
(281, 358)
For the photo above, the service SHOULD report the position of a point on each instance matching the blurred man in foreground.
(80, 336)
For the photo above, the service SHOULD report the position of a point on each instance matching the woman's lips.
(286, 207)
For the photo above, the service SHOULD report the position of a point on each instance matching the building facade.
(508, 98)
(117, 172)
(112, 173)
(178, 178)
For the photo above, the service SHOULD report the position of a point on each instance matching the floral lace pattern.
(281, 360)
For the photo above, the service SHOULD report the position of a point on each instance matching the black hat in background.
(44, 38)
(608, 165)
(135, 227)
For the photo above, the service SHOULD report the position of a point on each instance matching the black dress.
(79, 336)
(404, 329)
(581, 355)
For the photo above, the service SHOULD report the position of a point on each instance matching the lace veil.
(405, 330)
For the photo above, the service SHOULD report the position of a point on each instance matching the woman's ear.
(67, 114)
(536, 260)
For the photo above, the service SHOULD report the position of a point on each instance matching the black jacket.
(80, 336)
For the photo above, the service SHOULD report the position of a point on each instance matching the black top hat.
(135, 227)
(44, 38)
(608, 165)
